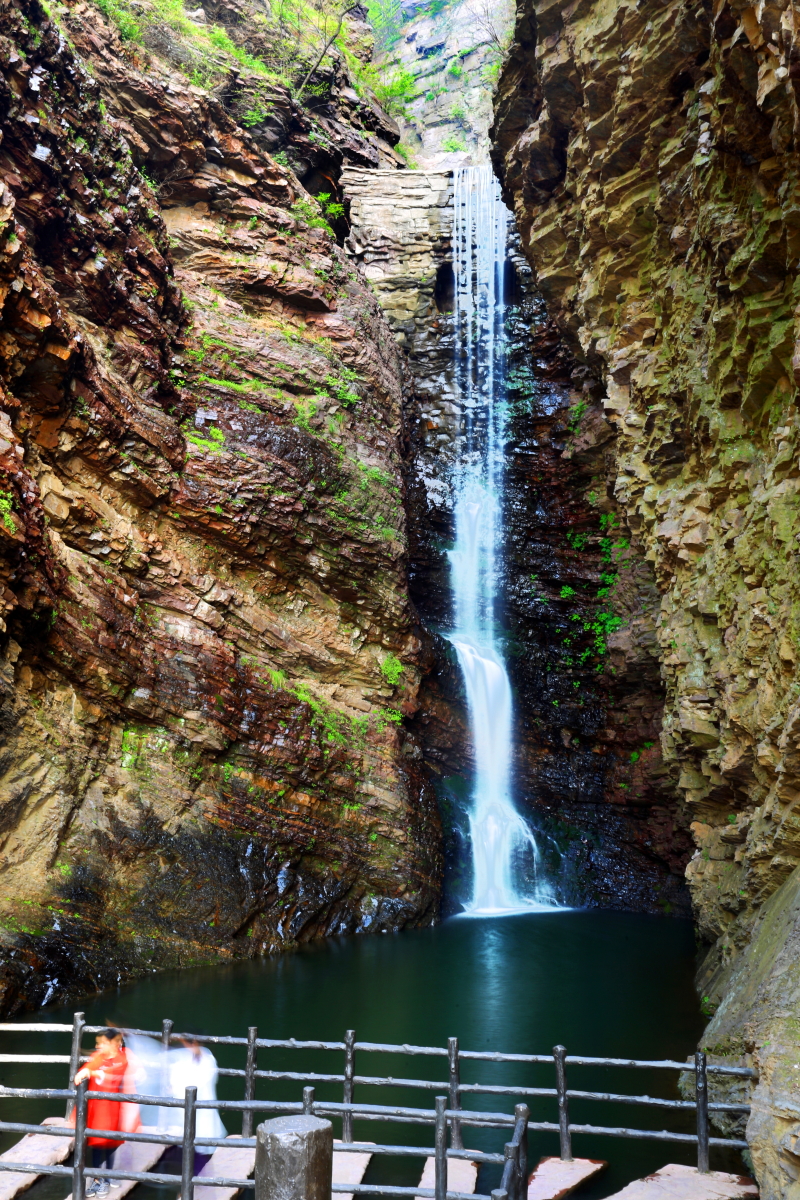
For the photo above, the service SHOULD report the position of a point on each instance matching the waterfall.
(501, 841)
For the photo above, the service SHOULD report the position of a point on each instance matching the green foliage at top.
(386, 19)
(392, 669)
(129, 28)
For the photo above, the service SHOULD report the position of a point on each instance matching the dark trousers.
(101, 1157)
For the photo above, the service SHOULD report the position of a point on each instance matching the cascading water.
(501, 840)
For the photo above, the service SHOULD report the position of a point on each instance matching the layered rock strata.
(208, 642)
(650, 154)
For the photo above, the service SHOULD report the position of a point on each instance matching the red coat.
(106, 1075)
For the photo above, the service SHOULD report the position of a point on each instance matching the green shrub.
(392, 669)
(305, 211)
(454, 145)
(6, 504)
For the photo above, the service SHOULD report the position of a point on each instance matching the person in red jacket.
(105, 1071)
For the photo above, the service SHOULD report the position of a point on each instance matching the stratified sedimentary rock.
(650, 153)
(209, 644)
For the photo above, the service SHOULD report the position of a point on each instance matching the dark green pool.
(615, 984)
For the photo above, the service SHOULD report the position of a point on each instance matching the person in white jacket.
(195, 1066)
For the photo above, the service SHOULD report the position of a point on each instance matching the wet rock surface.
(650, 152)
(209, 644)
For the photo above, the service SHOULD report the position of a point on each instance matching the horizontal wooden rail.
(447, 1113)
(399, 1048)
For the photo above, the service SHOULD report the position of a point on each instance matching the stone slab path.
(348, 1168)
(35, 1149)
(554, 1178)
(679, 1182)
(462, 1175)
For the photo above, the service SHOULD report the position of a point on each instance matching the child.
(105, 1071)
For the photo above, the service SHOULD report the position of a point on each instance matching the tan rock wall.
(650, 153)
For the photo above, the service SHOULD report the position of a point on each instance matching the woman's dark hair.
(109, 1034)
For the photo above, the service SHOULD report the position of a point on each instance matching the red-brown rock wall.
(209, 645)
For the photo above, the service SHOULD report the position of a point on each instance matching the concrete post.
(294, 1159)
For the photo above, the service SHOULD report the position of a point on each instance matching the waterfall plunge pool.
(602, 983)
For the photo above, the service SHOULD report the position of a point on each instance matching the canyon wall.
(650, 154)
(208, 644)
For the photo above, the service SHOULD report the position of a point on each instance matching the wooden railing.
(446, 1115)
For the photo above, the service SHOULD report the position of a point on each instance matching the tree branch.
(326, 48)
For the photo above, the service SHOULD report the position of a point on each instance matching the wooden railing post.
(75, 1055)
(349, 1072)
(522, 1114)
(509, 1179)
(559, 1055)
(440, 1150)
(456, 1138)
(701, 1099)
(187, 1153)
(294, 1159)
(79, 1155)
(308, 1101)
(250, 1080)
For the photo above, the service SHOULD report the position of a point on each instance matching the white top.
(188, 1070)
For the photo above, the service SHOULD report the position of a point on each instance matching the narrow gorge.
(400, 488)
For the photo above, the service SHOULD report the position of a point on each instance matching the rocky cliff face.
(449, 55)
(209, 644)
(650, 154)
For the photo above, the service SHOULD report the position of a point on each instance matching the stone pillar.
(294, 1159)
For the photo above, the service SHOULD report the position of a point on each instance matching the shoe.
(114, 1182)
(103, 1187)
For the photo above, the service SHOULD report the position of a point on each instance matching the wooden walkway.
(231, 1162)
(34, 1148)
(553, 1179)
(462, 1175)
(348, 1168)
(679, 1182)
(131, 1156)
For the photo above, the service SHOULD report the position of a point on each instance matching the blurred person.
(195, 1066)
(105, 1071)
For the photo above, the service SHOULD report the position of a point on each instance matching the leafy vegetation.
(310, 213)
(392, 669)
(6, 504)
(215, 442)
(576, 415)
(454, 145)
